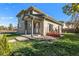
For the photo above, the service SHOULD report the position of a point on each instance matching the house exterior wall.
(21, 25)
(46, 26)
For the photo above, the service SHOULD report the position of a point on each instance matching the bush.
(4, 46)
(53, 34)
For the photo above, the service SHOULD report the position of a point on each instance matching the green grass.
(65, 46)
(68, 45)
(10, 36)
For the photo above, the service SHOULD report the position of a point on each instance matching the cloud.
(4, 18)
(8, 20)
(9, 7)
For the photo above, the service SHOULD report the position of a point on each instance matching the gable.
(33, 10)
(36, 12)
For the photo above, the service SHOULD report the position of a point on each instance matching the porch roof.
(42, 14)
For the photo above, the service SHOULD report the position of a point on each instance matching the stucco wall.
(46, 26)
(21, 26)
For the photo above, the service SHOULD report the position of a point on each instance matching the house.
(68, 25)
(33, 21)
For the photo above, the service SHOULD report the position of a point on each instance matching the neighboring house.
(33, 21)
(68, 25)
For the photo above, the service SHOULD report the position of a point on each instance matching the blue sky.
(8, 11)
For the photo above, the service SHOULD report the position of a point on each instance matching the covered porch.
(33, 25)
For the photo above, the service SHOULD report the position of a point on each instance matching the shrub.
(53, 34)
(4, 46)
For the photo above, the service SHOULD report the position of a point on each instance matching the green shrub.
(4, 46)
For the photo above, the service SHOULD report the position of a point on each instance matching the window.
(50, 27)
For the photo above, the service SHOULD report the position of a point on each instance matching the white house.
(33, 21)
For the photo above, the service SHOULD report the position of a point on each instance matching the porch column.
(32, 27)
(59, 29)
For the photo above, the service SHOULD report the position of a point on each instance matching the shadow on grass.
(72, 37)
(12, 35)
(48, 49)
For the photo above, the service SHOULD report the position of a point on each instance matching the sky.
(8, 11)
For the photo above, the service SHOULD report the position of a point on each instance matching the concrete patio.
(29, 37)
(38, 37)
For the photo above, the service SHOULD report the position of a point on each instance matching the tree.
(2, 27)
(10, 27)
(73, 10)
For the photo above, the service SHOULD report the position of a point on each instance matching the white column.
(60, 30)
(44, 27)
(32, 27)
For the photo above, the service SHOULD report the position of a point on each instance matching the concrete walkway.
(39, 37)
(13, 40)
(25, 38)
(20, 38)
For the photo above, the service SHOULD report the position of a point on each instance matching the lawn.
(68, 45)
(10, 36)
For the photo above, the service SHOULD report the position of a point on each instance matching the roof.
(41, 13)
